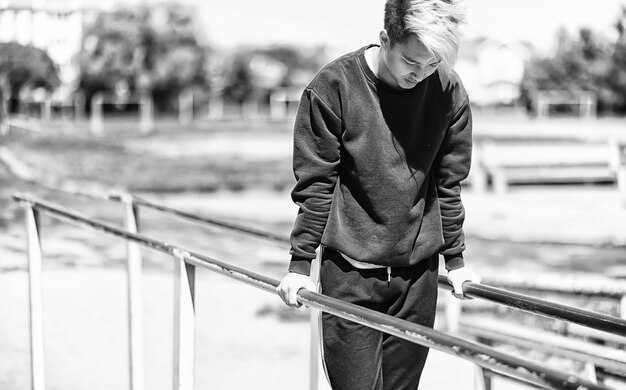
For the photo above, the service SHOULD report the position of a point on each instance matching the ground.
(245, 338)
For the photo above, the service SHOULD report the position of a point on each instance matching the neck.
(376, 62)
(372, 57)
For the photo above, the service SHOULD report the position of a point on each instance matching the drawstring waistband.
(362, 265)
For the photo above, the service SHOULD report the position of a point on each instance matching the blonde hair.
(436, 23)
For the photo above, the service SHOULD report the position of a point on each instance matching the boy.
(382, 141)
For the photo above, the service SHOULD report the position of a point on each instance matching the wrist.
(300, 265)
(454, 261)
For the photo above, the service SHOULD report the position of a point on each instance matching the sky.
(348, 24)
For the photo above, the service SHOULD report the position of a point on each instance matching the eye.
(412, 63)
(434, 64)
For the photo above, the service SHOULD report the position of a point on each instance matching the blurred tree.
(23, 67)
(587, 63)
(258, 70)
(618, 73)
(238, 81)
(152, 49)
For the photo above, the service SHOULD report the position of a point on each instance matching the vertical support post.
(314, 325)
(47, 108)
(482, 379)
(582, 106)
(250, 110)
(587, 104)
(35, 300)
(453, 313)
(542, 105)
(590, 372)
(135, 297)
(621, 171)
(216, 108)
(491, 165)
(318, 379)
(185, 106)
(4, 109)
(478, 179)
(146, 111)
(184, 322)
(278, 108)
(79, 106)
(96, 114)
(593, 106)
(4, 126)
(478, 174)
(500, 181)
(482, 376)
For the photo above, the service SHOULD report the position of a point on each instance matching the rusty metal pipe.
(515, 300)
(212, 221)
(480, 354)
(538, 306)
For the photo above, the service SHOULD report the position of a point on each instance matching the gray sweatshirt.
(378, 169)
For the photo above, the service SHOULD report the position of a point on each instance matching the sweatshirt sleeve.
(315, 161)
(454, 164)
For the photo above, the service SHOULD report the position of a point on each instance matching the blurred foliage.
(21, 68)
(254, 72)
(144, 48)
(111, 161)
(618, 71)
(588, 62)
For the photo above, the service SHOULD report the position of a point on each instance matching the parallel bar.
(484, 356)
(501, 363)
(594, 286)
(515, 300)
(538, 306)
(184, 323)
(35, 300)
(212, 221)
(571, 348)
(487, 357)
(135, 299)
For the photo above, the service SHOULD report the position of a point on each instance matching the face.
(405, 64)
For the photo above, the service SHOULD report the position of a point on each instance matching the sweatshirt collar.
(378, 83)
(363, 63)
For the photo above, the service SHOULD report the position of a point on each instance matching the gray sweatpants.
(361, 358)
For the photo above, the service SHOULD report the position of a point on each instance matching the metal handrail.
(542, 307)
(479, 354)
(616, 290)
(202, 219)
(597, 286)
(518, 301)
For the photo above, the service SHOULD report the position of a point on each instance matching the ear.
(384, 38)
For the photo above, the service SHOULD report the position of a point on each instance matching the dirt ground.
(240, 341)
(244, 339)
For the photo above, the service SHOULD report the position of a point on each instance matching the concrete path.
(241, 343)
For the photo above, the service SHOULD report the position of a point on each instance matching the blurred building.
(492, 70)
(55, 26)
(59, 28)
